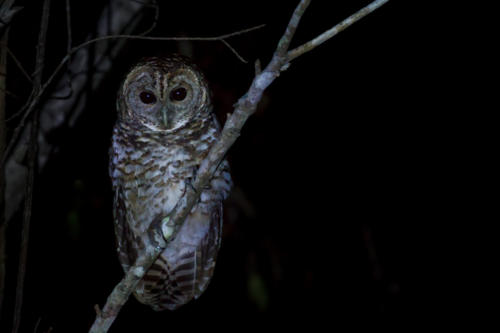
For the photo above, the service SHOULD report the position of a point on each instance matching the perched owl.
(164, 130)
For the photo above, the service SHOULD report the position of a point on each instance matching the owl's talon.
(167, 228)
(190, 184)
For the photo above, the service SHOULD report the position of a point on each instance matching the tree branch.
(32, 154)
(245, 107)
(3, 225)
(17, 62)
(122, 290)
(335, 30)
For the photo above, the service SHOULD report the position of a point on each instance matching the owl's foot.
(161, 230)
(167, 228)
(189, 183)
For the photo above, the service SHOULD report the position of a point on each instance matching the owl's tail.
(167, 287)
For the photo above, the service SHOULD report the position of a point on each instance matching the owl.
(164, 129)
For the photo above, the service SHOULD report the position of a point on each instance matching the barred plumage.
(164, 130)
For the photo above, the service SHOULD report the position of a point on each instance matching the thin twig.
(335, 30)
(3, 224)
(9, 93)
(18, 64)
(35, 330)
(20, 112)
(216, 38)
(225, 42)
(40, 50)
(28, 203)
(69, 34)
(155, 19)
(32, 154)
(69, 43)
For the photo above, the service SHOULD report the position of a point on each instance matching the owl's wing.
(208, 250)
(126, 241)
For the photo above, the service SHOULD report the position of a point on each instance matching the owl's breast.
(153, 181)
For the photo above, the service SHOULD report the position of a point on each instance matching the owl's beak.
(164, 118)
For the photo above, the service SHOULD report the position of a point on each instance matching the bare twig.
(18, 63)
(68, 27)
(151, 38)
(335, 30)
(69, 43)
(33, 153)
(155, 19)
(97, 309)
(40, 50)
(3, 224)
(37, 324)
(216, 38)
(226, 43)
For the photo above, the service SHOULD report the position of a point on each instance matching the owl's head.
(163, 94)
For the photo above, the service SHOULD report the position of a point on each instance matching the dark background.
(342, 161)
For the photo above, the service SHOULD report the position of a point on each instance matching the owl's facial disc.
(165, 100)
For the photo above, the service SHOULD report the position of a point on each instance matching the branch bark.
(245, 107)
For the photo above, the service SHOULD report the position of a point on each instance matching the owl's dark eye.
(178, 94)
(147, 97)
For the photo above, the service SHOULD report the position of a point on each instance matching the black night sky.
(341, 162)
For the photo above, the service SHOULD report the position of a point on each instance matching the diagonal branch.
(245, 107)
(335, 30)
(3, 225)
(287, 37)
